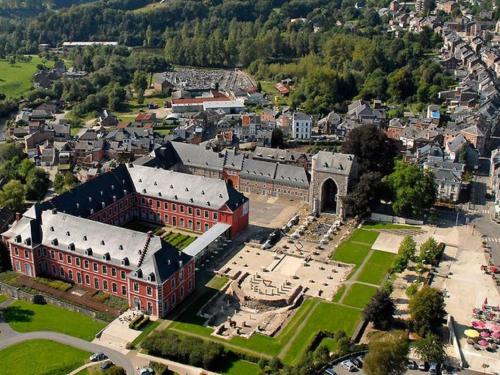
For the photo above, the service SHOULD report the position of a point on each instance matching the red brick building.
(77, 236)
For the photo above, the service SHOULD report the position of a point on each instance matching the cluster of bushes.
(189, 350)
(406, 252)
(139, 322)
(56, 284)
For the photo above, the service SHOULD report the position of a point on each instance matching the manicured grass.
(178, 240)
(242, 367)
(218, 282)
(3, 298)
(359, 295)
(41, 357)
(364, 236)
(330, 343)
(376, 267)
(352, 253)
(27, 317)
(145, 332)
(388, 226)
(326, 317)
(15, 79)
(338, 295)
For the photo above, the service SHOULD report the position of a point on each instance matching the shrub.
(412, 289)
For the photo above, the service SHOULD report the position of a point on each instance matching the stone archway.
(329, 191)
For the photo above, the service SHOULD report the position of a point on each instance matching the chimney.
(18, 216)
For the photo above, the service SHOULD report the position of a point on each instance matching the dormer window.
(106, 256)
(18, 238)
(102, 242)
(71, 246)
(140, 179)
(203, 192)
(144, 191)
(68, 234)
(27, 241)
(54, 242)
(90, 199)
(155, 183)
(151, 277)
(138, 273)
(88, 251)
(125, 261)
(120, 247)
(85, 238)
(51, 229)
(187, 189)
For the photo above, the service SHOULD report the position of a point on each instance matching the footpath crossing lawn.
(359, 295)
(376, 267)
(388, 226)
(367, 237)
(28, 317)
(41, 357)
(352, 253)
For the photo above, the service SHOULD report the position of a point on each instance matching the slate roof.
(340, 163)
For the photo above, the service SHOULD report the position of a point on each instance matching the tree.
(37, 184)
(12, 195)
(406, 252)
(374, 151)
(387, 354)
(366, 194)
(380, 310)
(277, 138)
(59, 183)
(413, 189)
(140, 84)
(429, 250)
(430, 349)
(427, 310)
(259, 87)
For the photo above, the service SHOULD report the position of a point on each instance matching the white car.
(96, 357)
(146, 371)
(348, 365)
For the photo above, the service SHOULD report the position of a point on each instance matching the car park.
(96, 357)
(146, 371)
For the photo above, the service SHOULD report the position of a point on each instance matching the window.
(165, 205)
(190, 224)
(198, 212)
(198, 226)
(79, 277)
(123, 275)
(95, 267)
(124, 290)
(96, 282)
(61, 257)
(181, 208)
(114, 288)
(61, 272)
(26, 254)
(206, 227)
(158, 204)
(149, 291)
(113, 271)
(86, 264)
(215, 216)
(70, 274)
(190, 210)
(104, 269)
(181, 222)
(105, 284)
(166, 219)
(77, 261)
(54, 272)
(69, 259)
(174, 207)
(87, 279)
(52, 254)
(18, 266)
(136, 286)
(206, 214)
(173, 284)
(16, 250)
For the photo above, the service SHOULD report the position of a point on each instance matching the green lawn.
(387, 226)
(359, 295)
(365, 236)
(326, 317)
(15, 79)
(145, 332)
(218, 282)
(242, 367)
(376, 267)
(27, 317)
(330, 343)
(41, 357)
(3, 298)
(352, 253)
(340, 292)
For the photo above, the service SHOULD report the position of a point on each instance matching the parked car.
(423, 366)
(412, 365)
(96, 357)
(106, 365)
(358, 361)
(434, 368)
(146, 371)
(329, 371)
(348, 365)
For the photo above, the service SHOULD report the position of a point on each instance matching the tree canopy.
(387, 354)
(380, 310)
(427, 310)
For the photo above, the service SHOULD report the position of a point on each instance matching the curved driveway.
(10, 337)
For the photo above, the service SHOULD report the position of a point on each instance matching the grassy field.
(387, 226)
(15, 79)
(27, 317)
(359, 295)
(376, 267)
(242, 367)
(41, 357)
(349, 252)
(365, 236)
(145, 332)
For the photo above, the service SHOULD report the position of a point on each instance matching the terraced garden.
(176, 239)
